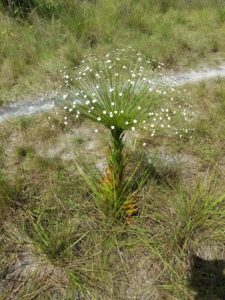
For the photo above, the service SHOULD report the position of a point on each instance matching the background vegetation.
(38, 37)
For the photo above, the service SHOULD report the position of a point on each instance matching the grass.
(58, 244)
(56, 34)
(55, 242)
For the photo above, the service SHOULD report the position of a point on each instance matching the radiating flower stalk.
(123, 92)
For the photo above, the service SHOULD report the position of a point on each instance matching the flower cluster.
(125, 91)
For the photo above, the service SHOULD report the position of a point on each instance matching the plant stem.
(116, 160)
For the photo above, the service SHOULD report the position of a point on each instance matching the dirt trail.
(35, 106)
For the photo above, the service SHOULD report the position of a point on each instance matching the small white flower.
(134, 121)
(87, 102)
(65, 96)
(111, 90)
(96, 130)
(126, 123)
(99, 119)
(104, 112)
(122, 111)
(152, 125)
(120, 94)
(113, 104)
(144, 144)
(65, 123)
(133, 128)
(112, 127)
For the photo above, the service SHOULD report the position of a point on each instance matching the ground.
(58, 244)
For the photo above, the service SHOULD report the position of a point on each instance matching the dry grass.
(54, 243)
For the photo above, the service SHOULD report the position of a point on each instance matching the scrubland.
(55, 243)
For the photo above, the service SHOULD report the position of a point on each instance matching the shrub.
(123, 92)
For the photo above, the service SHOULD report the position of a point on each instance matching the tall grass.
(65, 30)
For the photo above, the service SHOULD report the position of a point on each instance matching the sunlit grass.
(58, 34)
(55, 240)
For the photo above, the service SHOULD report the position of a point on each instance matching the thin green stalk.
(116, 160)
